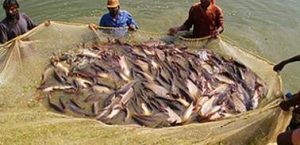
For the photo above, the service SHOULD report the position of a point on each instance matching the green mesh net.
(26, 121)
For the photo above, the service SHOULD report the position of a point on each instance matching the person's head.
(205, 3)
(113, 6)
(11, 8)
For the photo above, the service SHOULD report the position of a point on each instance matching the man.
(206, 19)
(116, 18)
(291, 137)
(15, 23)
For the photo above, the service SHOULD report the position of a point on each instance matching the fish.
(151, 84)
(158, 90)
(188, 113)
(101, 89)
(61, 78)
(207, 106)
(139, 65)
(192, 87)
(81, 82)
(155, 121)
(224, 79)
(154, 64)
(250, 79)
(95, 108)
(173, 117)
(62, 68)
(238, 104)
(222, 88)
(207, 67)
(126, 87)
(146, 110)
(124, 66)
(47, 74)
(88, 53)
(116, 110)
(74, 107)
(146, 76)
(53, 88)
(59, 108)
(127, 96)
(73, 102)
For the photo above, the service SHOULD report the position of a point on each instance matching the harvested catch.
(152, 84)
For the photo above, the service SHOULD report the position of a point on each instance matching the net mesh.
(26, 121)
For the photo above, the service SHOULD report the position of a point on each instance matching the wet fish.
(58, 108)
(146, 110)
(151, 84)
(192, 87)
(47, 74)
(88, 53)
(62, 68)
(188, 113)
(158, 90)
(81, 82)
(53, 88)
(101, 89)
(239, 105)
(222, 88)
(173, 117)
(124, 66)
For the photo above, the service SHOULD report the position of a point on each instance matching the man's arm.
(185, 26)
(281, 65)
(3, 34)
(131, 23)
(30, 23)
(219, 22)
(295, 100)
(188, 23)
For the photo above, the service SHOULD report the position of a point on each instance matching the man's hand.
(47, 23)
(278, 67)
(173, 31)
(93, 27)
(131, 28)
(284, 106)
(215, 34)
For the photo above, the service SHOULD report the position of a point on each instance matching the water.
(268, 28)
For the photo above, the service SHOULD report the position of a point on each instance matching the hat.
(112, 3)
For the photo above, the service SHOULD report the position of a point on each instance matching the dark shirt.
(122, 20)
(8, 30)
(205, 22)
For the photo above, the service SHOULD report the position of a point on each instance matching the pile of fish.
(151, 84)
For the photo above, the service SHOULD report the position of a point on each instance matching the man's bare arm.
(278, 67)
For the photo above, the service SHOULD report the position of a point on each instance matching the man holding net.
(291, 137)
(117, 18)
(206, 19)
(15, 23)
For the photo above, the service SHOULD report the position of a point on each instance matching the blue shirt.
(124, 19)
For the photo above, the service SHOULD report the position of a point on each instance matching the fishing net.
(27, 121)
